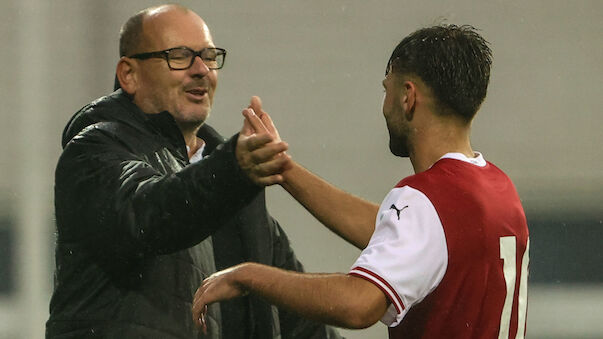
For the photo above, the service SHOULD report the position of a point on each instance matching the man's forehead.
(166, 29)
(175, 19)
(166, 10)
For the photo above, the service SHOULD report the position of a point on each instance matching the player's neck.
(430, 147)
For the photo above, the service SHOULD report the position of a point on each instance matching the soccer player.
(446, 253)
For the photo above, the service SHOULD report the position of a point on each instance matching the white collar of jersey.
(478, 160)
(197, 156)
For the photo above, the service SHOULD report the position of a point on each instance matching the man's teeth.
(197, 91)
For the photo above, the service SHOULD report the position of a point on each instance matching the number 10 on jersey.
(508, 252)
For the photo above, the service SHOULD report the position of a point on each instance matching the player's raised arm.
(349, 216)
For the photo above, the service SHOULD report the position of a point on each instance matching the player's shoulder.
(419, 180)
(436, 173)
(406, 194)
(451, 171)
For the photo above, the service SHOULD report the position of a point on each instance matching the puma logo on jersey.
(393, 207)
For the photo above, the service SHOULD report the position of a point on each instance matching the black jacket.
(134, 225)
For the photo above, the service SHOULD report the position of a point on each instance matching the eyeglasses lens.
(182, 58)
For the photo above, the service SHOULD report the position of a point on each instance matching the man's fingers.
(267, 121)
(270, 172)
(265, 164)
(271, 180)
(256, 105)
(199, 310)
(256, 101)
(261, 153)
(267, 152)
(247, 128)
(272, 167)
(255, 121)
(254, 142)
(196, 313)
(202, 320)
(198, 305)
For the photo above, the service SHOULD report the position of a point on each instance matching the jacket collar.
(118, 107)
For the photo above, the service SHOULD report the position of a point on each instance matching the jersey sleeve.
(407, 255)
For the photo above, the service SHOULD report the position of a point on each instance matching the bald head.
(132, 37)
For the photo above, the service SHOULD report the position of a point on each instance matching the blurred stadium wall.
(318, 67)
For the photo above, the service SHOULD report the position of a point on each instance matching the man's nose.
(199, 67)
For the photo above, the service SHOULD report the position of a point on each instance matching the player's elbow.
(359, 314)
(365, 304)
(361, 318)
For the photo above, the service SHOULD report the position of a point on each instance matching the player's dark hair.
(454, 61)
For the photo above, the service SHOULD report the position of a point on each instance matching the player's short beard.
(399, 144)
(399, 148)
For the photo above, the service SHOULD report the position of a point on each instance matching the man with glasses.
(149, 200)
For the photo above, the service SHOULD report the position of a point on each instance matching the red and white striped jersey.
(450, 251)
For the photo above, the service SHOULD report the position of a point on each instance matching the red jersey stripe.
(388, 289)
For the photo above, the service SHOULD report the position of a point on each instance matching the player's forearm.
(349, 216)
(335, 299)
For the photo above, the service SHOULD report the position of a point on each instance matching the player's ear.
(408, 98)
(127, 75)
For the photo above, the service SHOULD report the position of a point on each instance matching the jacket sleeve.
(113, 200)
(292, 325)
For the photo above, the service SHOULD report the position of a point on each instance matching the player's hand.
(258, 153)
(256, 105)
(217, 287)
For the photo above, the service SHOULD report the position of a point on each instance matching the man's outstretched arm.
(349, 216)
(337, 299)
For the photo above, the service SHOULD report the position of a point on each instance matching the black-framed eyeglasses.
(179, 58)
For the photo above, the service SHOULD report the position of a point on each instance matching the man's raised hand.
(260, 152)
(256, 106)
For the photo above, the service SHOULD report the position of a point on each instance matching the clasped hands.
(261, 155)
(260, 151)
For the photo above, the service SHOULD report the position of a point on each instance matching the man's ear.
(408, 99)
(126, 75)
